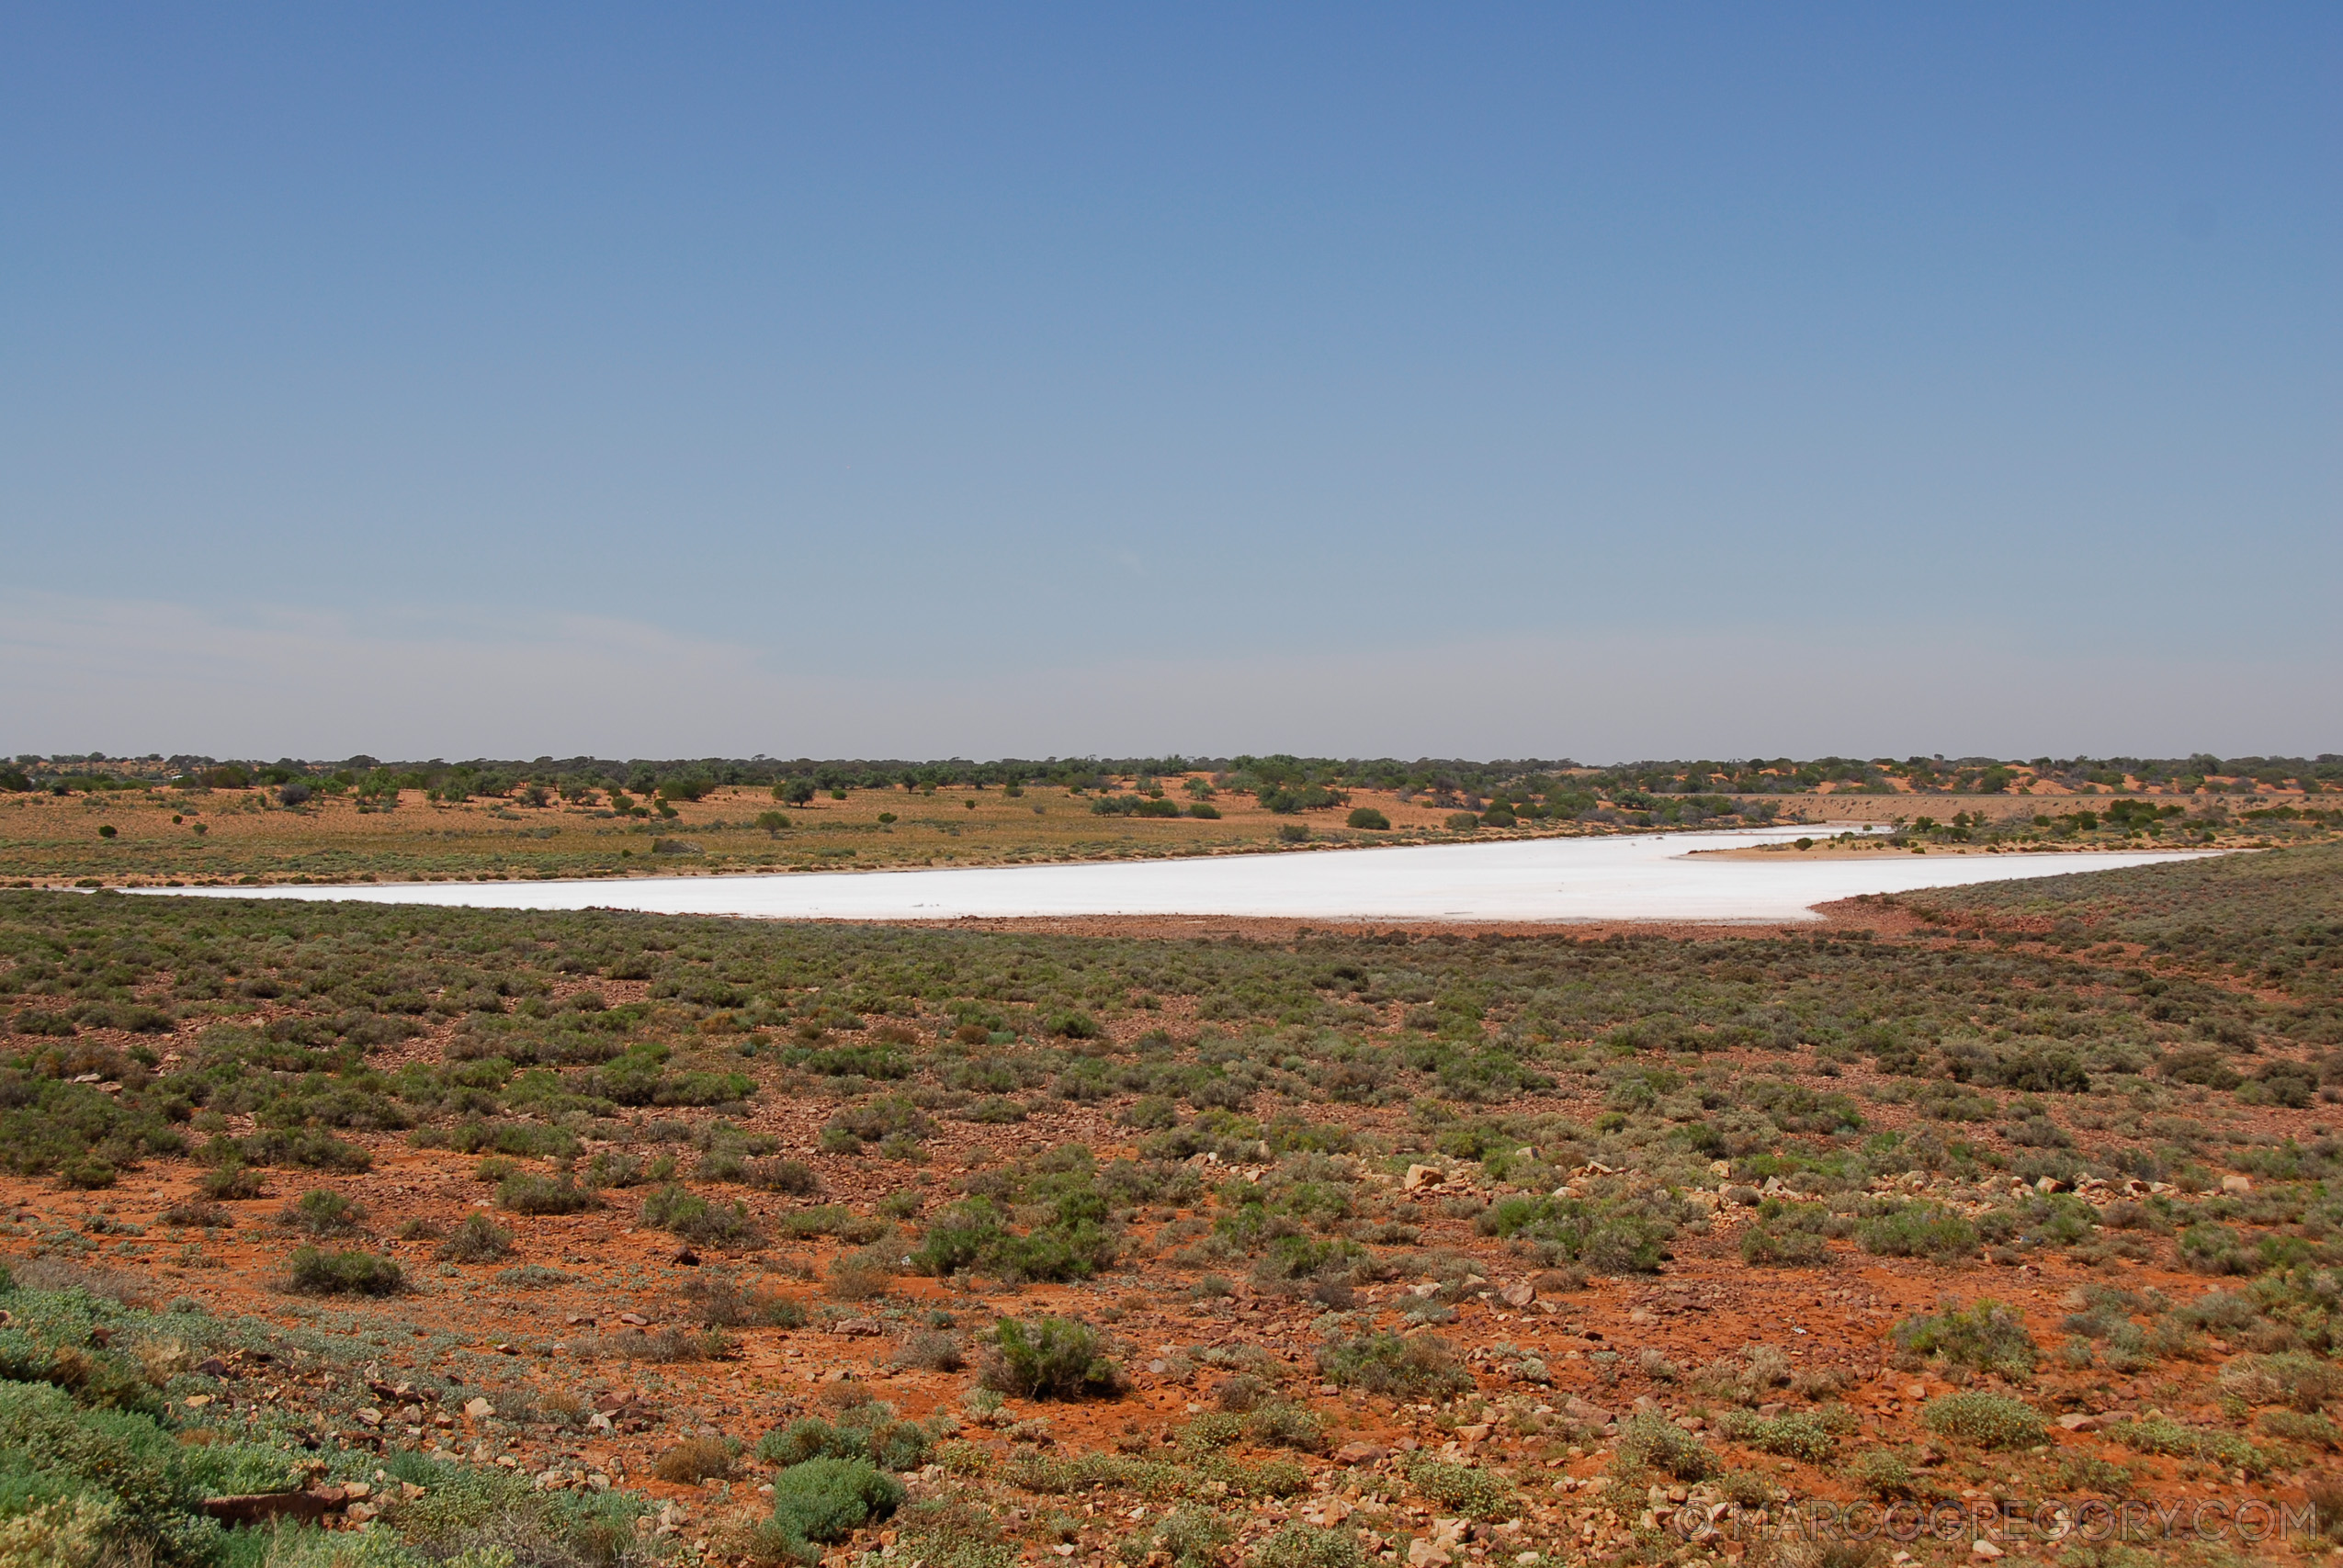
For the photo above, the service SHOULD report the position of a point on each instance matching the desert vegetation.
(100, 822)
(762, 1242)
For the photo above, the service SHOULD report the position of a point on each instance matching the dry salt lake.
(1645, 877)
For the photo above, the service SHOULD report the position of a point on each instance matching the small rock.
(858, 1327)
(634, 1320)
(1984, 1548)
(1691, 1423)
(1585, 1414)
(2236, 1184)
(1360, 1454)
(478, 1409)
(197, 1401)
(1422, 1176)
(2077, 1421)
(1520, 1295)
(370, 1416)
(1916, 1391)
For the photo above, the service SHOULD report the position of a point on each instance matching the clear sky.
(893, 380)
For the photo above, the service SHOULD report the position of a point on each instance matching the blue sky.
(1693, 380)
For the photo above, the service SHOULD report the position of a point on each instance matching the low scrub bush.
(1052, 1357)
(315, 1273)
(822, 1501)
(2162, 1435)
(524, 1192)
(477, 1240)
(681, 1213)
(1465, 1489)
(1651, 1441)
(1918, 1230)
(1796, 1434)
(870, 1432)
(1988, 1420)
(1306, 1546)
(323, 1212)
(1419, 1366)
(1185, 1537)
(1983, 1337)
(695, 1460)
(231, 1182)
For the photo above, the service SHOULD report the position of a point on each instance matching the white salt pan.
(1648, 878)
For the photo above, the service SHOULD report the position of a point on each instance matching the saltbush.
(1918, 1230)
(1422, 1366)
(1988, 1420)
(1052, 1357)
(354, 1272)
(1652, 1441)
(822, 1501)
(1986, 1336)
(477, 1240)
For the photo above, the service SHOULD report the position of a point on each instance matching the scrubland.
(435, 1234)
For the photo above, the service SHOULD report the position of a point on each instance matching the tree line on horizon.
(1439, 778)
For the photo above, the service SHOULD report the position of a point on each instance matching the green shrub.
(232, 1181)
(1280, 1424)
(1188, 1537)
(1419, 1366)
(1918, 1230)
(793, 1176)
(524, 1192)
(695, 1460)
(681, 1212)
(1885, 1474)
(2293, 1427)
(2216, 1249)
(1368, 818)
(315, 1273)
(823, 1500)
(1652, 1441)
(477, 1240)
(97, 1485)
(1763, 1247)
(1204, 810)
(323, 1212)
(1985, 1337)
(1988, 1420)
(869, 1432)
(1053, 1358)
(2163, 1435)
(1465, 1489)
(1795, 1433)
(1306, 1546)
(1608, 1235)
